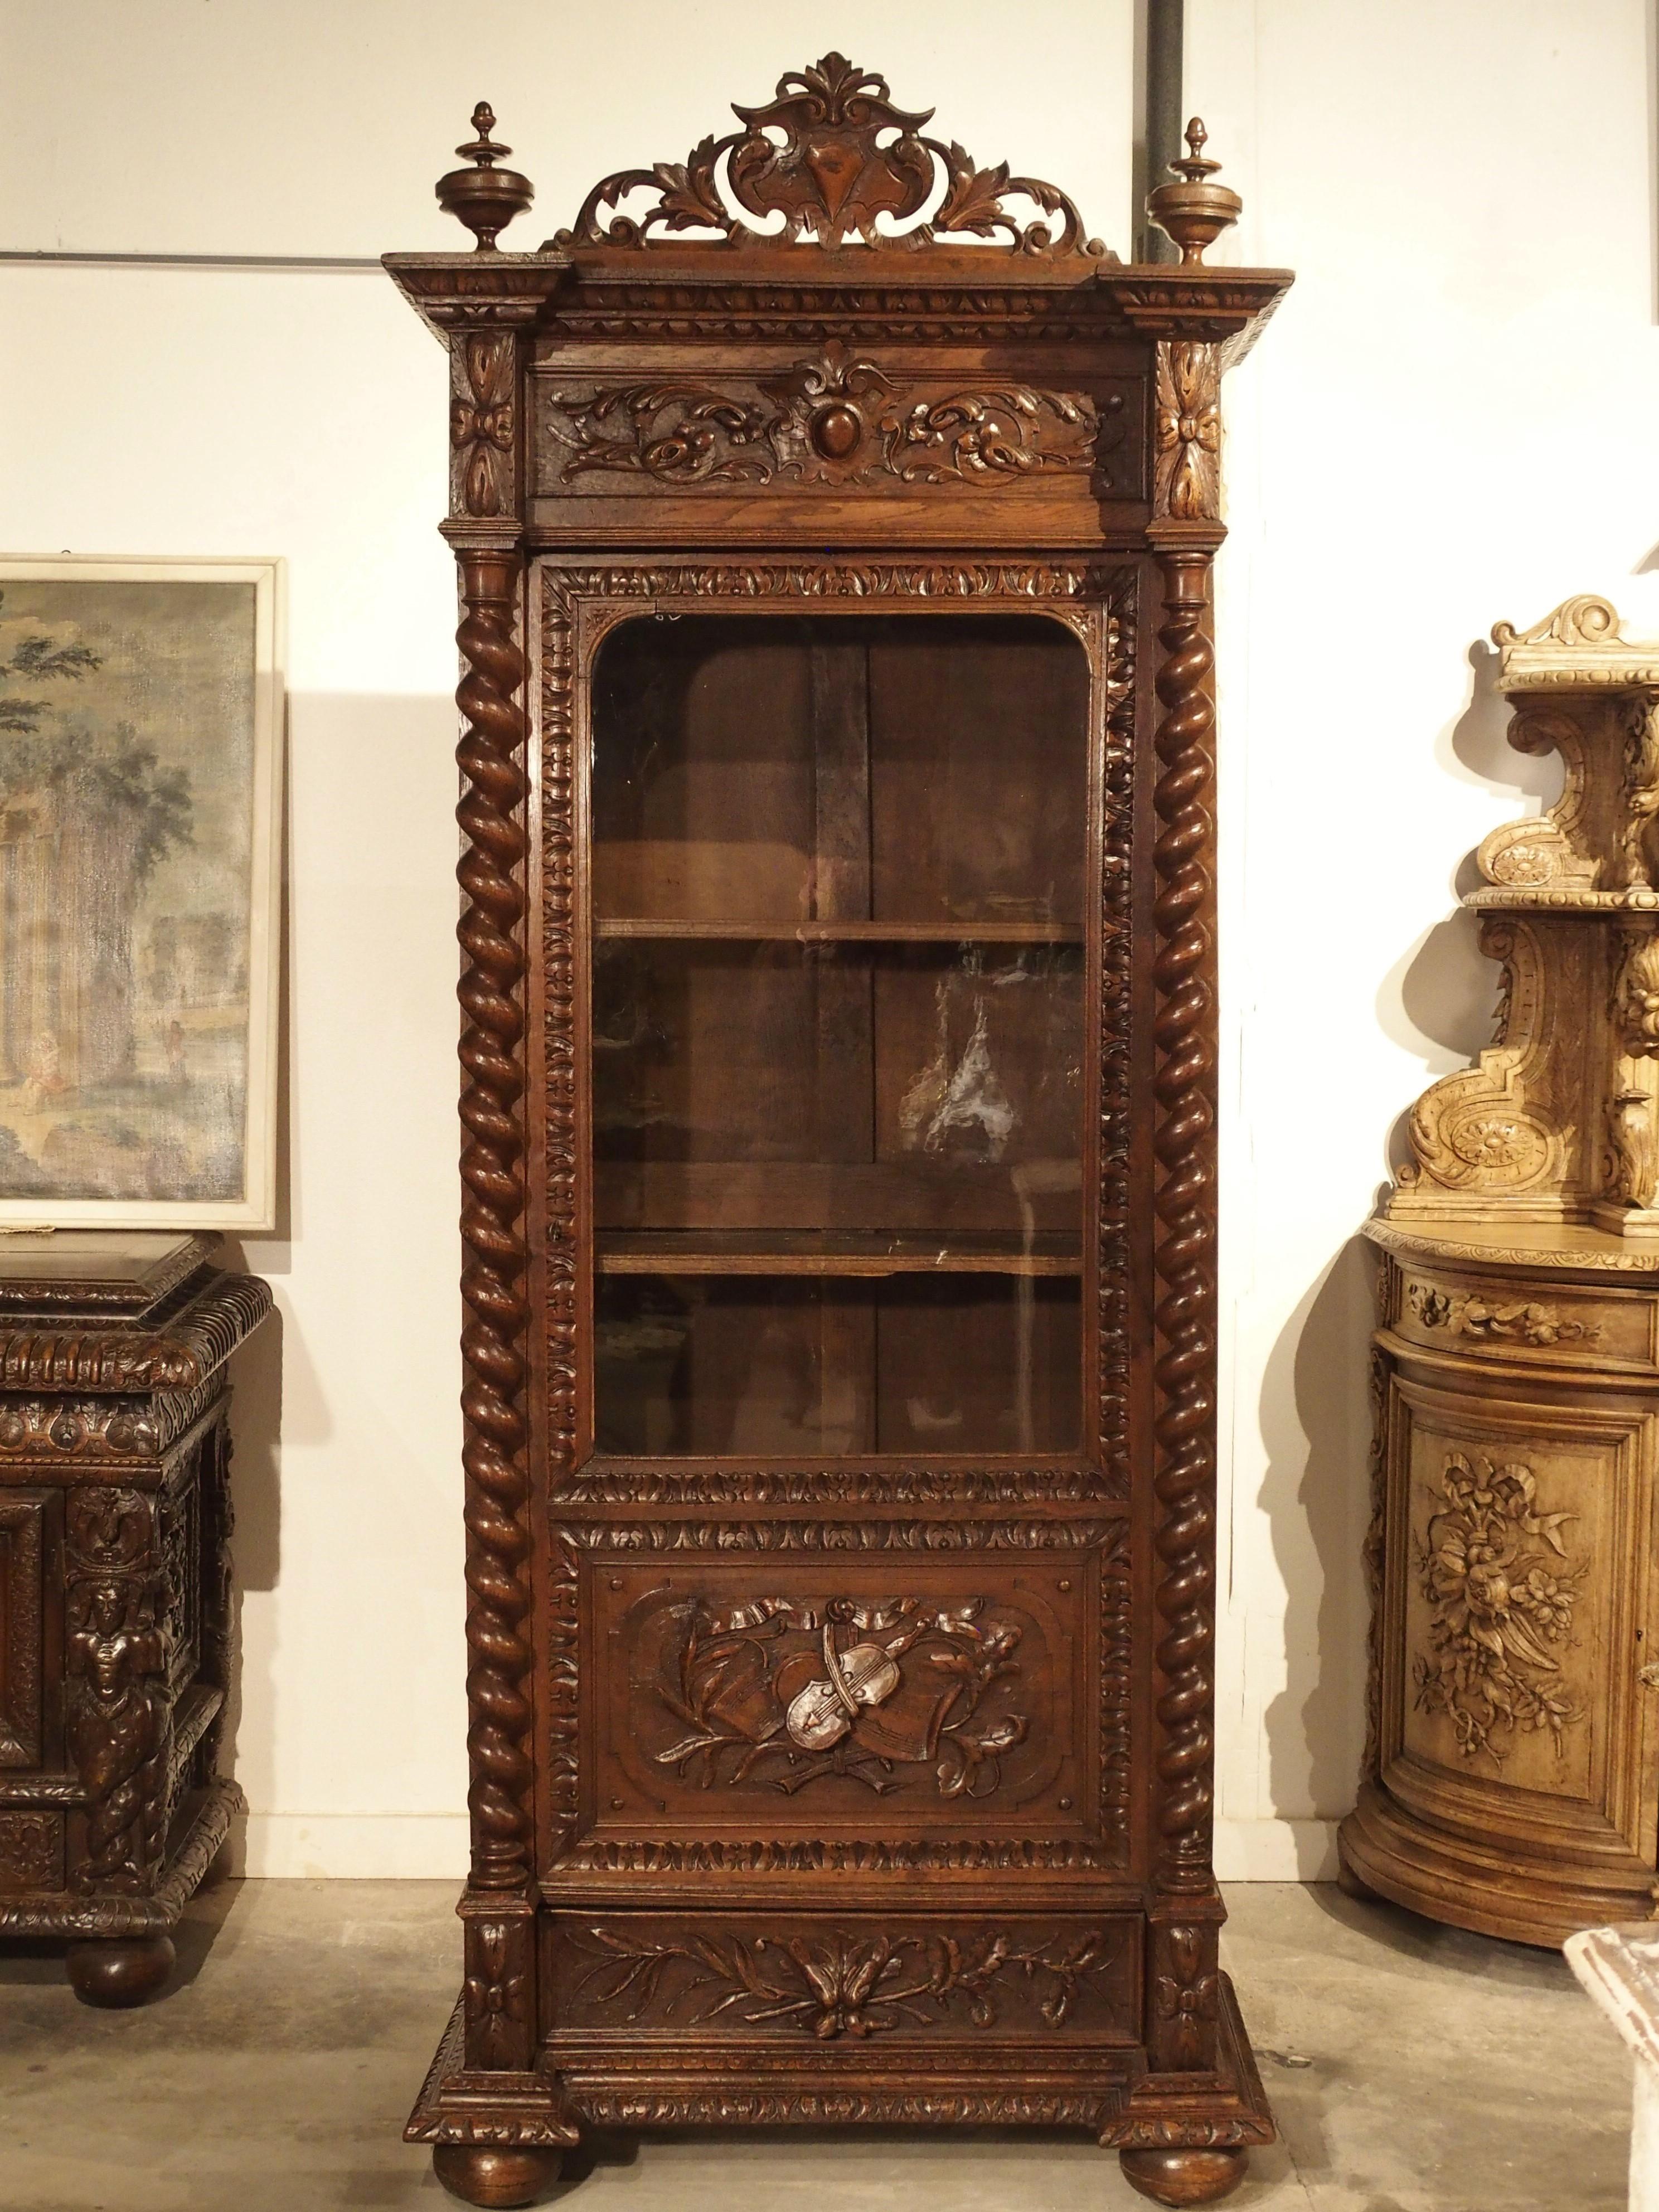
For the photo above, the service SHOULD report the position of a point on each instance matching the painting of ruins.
(138, 804)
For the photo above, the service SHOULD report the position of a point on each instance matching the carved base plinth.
(1493, 1888)
(505, 2130)
(118, 1974)
(479, 2173)
(1184, 2176)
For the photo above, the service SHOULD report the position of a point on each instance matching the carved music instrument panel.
(834, 520)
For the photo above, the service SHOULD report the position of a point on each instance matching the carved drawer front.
(1556, 1325)
(22, 1626)
(933, 1705)
(31, 1853)
(836, 417)
(814, 1978)
(1519, 1548)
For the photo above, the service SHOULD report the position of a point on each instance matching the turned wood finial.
(485, 198)
(1194, 212)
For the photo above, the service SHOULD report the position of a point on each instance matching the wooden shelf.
(842, 933)
(828, 1252)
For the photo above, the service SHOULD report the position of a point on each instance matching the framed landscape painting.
(140, 806)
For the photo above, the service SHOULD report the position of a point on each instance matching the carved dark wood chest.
(834, 523)
(114, 1590)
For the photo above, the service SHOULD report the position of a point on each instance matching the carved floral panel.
(809, 1696)
(820, 1980)
(1512, 1569)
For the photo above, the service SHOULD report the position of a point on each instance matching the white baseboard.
(432, 1846)
(1275, 1851)
(350, 1846)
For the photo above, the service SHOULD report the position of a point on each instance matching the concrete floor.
(1414, 2069)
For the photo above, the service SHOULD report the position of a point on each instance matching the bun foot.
(1351, 1884)
(495, 2173)
(119, 1973)
(1184, 2176)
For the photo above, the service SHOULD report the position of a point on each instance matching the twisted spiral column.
(490, 755)
(1184, 1370)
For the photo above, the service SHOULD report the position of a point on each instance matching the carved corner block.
(484, 419)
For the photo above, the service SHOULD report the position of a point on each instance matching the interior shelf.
(843, 932)
(830, 1252)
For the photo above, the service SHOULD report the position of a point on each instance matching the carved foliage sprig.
(834, 1985)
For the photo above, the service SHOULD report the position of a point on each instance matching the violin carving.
(773, 1698)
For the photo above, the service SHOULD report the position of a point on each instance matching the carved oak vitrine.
(834, 523)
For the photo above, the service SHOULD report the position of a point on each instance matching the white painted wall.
(1450, 421)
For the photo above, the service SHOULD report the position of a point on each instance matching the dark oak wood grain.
(839, 1048)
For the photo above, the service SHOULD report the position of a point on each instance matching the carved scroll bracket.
(830, 159)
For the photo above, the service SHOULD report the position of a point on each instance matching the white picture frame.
(142, 774)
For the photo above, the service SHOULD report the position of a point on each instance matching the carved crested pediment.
(830, 160)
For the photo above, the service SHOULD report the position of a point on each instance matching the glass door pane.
(838, 1035)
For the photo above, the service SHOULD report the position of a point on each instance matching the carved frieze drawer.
(837, 418)
(1561, 1324)
(810, 1978)
(959, 1711)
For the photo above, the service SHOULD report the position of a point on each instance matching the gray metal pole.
(1165, 40)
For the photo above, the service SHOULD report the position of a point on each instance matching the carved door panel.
(916, 1709)
(22, 1626)
(1520, 1545)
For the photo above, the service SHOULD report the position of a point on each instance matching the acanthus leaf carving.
(834, 417)
(829, 159)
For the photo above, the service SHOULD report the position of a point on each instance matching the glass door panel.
(839, 1036)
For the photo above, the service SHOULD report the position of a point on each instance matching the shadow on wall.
(1441, 991)
(1438, 1002)
(256, 1431)
(1315, 1424)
